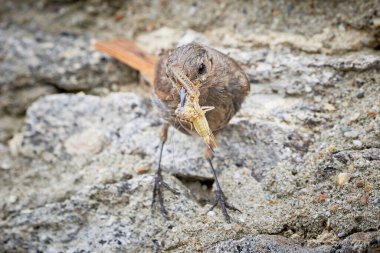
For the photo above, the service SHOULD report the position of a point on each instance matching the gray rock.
(360, 94)
(358, 242)
(265, 243)
(62, 126)
(357, 143)
(78, 176)
(66, 126)
(261, 145)
(36, 63)
(63, 226)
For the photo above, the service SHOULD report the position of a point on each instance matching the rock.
(360, 94)
(76, 214)
(52, 128)
(360, 242)
(92, 122)
(67, 61)
(78, 176)
(265, 166)
(250, 147)
(37, 63)
(261, 243)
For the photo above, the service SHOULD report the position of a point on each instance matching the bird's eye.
(201, 69)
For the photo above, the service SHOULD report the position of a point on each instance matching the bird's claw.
(157, 193)
(224, 205)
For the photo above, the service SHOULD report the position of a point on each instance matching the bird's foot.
(221, 199)
(157, 192)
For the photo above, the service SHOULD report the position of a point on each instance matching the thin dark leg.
(220, 198)
(158, 180)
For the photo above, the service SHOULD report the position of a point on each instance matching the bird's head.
(189, 67)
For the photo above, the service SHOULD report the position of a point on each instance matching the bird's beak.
(185, 82)
(182, 95)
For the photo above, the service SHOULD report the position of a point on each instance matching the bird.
(222, 86)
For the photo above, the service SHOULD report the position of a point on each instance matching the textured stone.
(265, 243)
(64, 125)
(78, 176)
(36, 63)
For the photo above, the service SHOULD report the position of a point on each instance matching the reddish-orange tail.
(131, 54)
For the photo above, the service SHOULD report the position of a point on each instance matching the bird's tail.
(131, 54)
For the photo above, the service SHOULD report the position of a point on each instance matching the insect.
(196, 115)
(192, 112)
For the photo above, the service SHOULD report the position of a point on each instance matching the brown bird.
(222, 85)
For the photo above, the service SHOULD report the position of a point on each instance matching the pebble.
(371, 113)
(375, 108)
(6, 163)
(351, 134)
(342, 178)
(211, 214)
(142, 170)
(343, 128)
(341, 234)
(357, 143)
(12, 199)
(360, 94)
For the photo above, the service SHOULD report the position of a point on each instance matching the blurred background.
(78, 136)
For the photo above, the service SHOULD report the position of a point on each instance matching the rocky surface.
(35, 63)
(301, 160)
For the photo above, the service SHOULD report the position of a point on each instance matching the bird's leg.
(158, 180)
(220, 198)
